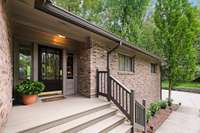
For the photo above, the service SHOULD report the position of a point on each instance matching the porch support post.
(35, 61)
(64, 71)
(132, 110)
(145, 118)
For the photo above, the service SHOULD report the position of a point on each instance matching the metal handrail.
(122, 97)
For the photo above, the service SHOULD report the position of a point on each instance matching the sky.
(194, 1)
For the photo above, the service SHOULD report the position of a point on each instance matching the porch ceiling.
(23, 12)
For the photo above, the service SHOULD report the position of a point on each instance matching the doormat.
(50, 99)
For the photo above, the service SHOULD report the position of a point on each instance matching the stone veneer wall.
(84, 71)
(5, 70)
(98, 61)
(145, 83)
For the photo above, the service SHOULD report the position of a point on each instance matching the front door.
(50, 68)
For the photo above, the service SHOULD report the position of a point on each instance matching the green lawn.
(187, 85)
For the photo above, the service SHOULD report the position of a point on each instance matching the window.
(25, 62)
(153, 68)
(126, 63)
(50, 63)
(70, 66)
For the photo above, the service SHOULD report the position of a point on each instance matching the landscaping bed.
(160, 116)
(158, 112)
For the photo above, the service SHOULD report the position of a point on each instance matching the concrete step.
(123, 128)
(51, 93)
(82, 122)
(52, 98)
(66, 119)
(104, 126)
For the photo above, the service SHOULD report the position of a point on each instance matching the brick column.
(5, 69)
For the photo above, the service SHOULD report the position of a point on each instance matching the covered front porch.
(48, 49)
(44, 115)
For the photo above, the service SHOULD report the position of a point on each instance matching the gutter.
(47, 7)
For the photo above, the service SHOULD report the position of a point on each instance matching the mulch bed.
(156, 121)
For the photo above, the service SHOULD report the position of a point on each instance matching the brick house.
(47, 37)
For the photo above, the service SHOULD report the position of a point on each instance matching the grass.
(183, 85)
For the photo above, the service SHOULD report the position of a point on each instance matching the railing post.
(132, 110)
(144, 104)
(97, 83)
(109, 85)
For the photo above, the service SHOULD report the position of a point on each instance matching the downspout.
(108, 55)
(108, 69)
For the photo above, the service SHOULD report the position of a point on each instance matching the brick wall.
(145, 83)
(5, 70)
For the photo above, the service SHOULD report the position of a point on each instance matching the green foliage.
(126, 18)
(29, 87)
(169, 102)
(182, 85)
(177, 28)
(122, 17)
(163, 104)
(148, 115)
(154, 107)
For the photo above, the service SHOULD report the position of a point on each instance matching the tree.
(122, 17)
(125, 17)
(146, 40)
(177, 28)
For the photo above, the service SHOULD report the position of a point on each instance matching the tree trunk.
(170, 88)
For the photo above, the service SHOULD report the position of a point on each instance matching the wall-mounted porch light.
(61, 36)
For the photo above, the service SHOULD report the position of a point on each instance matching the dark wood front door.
(50, 68)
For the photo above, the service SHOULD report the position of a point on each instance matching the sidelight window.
(70, 66)
(25, 62)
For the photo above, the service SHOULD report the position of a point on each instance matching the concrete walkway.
(187, 118)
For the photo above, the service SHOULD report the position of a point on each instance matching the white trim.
(35, 61)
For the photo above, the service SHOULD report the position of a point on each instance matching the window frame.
(128, 63)
(153, 67)
(28, 46)
(70, 64)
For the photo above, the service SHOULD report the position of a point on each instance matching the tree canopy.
(167, 28)
(177, 29)
(125, 18)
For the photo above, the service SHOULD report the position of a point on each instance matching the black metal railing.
(140, 113)
(102, 83)
(122, 97)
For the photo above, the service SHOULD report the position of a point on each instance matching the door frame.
(60, 81)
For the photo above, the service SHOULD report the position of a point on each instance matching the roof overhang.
(47, 7)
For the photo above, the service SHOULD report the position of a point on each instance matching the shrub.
(154, 107)
(148, 115)
(29, 87)
(163, 104)
(169, 102)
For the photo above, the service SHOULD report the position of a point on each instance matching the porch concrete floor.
(25, 117)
